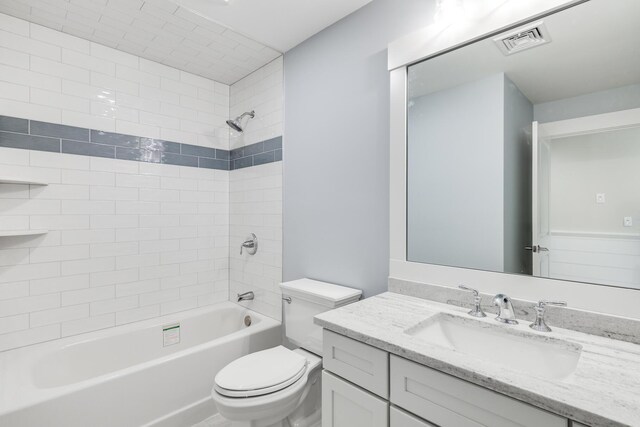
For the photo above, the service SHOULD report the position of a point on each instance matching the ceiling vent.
(522, 38)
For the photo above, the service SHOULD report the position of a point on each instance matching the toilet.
(280, 387)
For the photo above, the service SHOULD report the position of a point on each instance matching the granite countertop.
(604, 390)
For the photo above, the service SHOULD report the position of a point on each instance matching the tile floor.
(215, 421)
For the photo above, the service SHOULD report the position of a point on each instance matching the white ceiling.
(280, 24)
(230, 43)
(594, 47)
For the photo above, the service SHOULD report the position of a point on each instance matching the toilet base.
(308, 414)
(315, 420)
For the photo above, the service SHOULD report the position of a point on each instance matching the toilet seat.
(261, 373)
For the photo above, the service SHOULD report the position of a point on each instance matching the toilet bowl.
(280, 387)
(285, 397)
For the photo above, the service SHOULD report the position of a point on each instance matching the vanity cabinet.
(400, 418)
(346, 405)
(365, 386)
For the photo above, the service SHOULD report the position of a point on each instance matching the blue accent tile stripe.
(138, 155)
(11, 124)
(29, 142)
(160, 145)
(213, 163)
(88, 149)
(243, 162)
(222, 154)
(57, 138)
(59, 131)
(180, 160)
(262, 158)
(253, 149)
(268, 151)
(117, 139)
(273, 144)
(195, 150)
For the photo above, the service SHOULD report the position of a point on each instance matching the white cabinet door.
(345, 405)
(400, 418)
(577, 424)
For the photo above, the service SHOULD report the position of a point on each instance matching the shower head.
(236, 124)
(233, 125)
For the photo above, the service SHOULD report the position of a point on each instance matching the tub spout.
(247, 296)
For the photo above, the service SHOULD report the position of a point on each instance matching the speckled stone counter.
(604, 390)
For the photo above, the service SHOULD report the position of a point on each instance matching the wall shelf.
(6, 180)
(14, 233)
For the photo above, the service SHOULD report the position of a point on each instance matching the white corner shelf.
(14, 233)
(5, 180)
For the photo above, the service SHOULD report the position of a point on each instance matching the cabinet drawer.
(400, 418)
(359, 363)
(345, 405)
(450, 402)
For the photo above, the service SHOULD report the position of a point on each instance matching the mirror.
(523, 150)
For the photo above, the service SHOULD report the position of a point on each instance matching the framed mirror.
(523, 150)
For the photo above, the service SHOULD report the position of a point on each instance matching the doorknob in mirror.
(536, 248)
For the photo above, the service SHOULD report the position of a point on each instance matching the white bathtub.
(125, 376)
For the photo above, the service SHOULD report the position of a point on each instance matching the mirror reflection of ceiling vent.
(522, 38)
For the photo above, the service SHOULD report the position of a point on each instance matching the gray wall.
(455, 175)
(336, 156)
(518, 115)
(606, 101)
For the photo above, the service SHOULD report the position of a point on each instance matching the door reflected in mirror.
(528, 161)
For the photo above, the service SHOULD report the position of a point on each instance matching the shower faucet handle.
(251, 244)
(477, 301)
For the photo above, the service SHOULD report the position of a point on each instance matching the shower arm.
(251, 114)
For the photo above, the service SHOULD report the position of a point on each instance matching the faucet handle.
(466, 288)
(251, 244)
(543, 303)
(539, 324)
(477, 300)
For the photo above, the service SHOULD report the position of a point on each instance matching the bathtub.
(126, 376)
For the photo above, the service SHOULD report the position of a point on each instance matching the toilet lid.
(260, 373)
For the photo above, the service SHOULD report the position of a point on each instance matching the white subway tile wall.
(127, 241)
(256, 207)
(54, 77)
(261, 91)
(256, 193)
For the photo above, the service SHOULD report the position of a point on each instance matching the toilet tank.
(308, 298)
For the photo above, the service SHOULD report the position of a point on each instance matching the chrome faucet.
(539, 324)
(251, 244)
(506, 313)
(476, 311)
(247, 296)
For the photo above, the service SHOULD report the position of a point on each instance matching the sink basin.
(502, 345)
